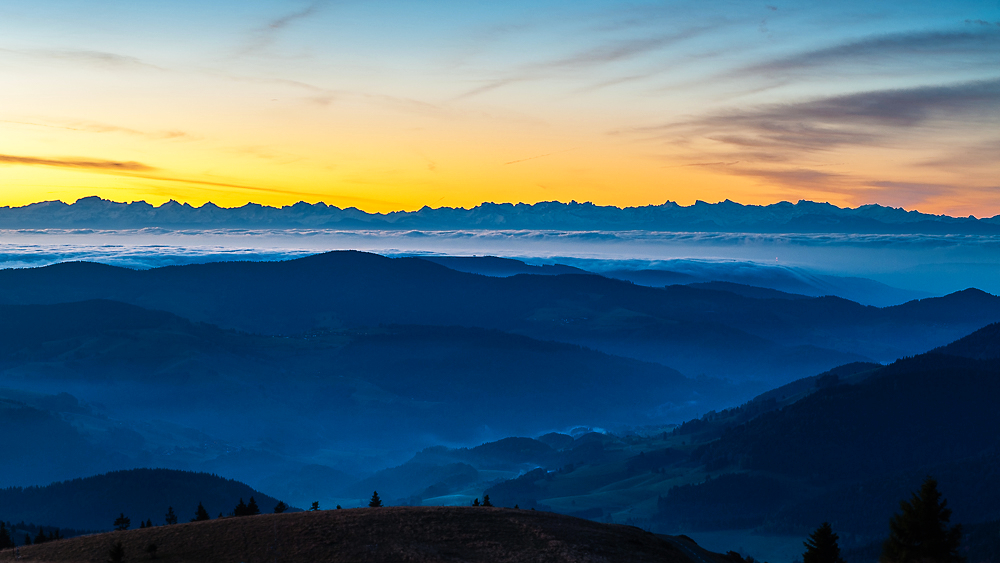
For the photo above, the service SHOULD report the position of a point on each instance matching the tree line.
(918, 533)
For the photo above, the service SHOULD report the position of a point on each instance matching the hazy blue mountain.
(736, 277)
(695, 330)
(500, 267)
(93, 503)
(726, 216)
(980, 345)
(848, 452)
(844, 446)
(261, 408)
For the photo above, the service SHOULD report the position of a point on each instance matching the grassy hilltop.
(381, 534)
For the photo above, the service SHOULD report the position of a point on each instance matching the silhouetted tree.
(252, 508)
(117, 553)
(920, 532)
(315, 506)
(475, 502)
(5, 539)
(486, 500)
(27, 539)
(201, 514)
(280, 507)
(56, 535)
(142, 524)
(170, 518)
(240, 510)
(40, 537)
(122, 522)
(821, 547)
(375, 502)
(149, 522)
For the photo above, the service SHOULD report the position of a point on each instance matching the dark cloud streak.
(865, 118)
(76, 163)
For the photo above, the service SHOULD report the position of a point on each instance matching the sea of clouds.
(933, 264)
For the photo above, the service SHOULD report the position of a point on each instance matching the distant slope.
(499, 267)
(747, 290)
(39, 446)
(983, 344)
(848, 453)
(697, 331)
(389, 535)
(93, 503)
(828, 435)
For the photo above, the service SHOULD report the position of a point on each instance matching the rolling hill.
(695, 330)
(93, 503)
(382, 535)
(253, 407)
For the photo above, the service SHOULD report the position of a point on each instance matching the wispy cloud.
(265, 35)
(75, 162)
(606, 53)
(101, 59)
(96, 127)
(892, 50)
(864, 118)
(795, 177)
(133, 170)
(982, 22)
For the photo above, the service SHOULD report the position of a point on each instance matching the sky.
(394, 105)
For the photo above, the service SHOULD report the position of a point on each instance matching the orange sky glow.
(394, 110)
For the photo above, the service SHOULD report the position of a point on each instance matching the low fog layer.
(921, 264)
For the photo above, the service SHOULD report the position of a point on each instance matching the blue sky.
(395, 105)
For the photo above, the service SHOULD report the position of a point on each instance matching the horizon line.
(514, 204)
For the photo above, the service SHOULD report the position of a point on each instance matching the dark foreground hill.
(379, 534)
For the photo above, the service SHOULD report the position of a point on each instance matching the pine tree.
(56, 535)
(252, 508)
(117, 553)
(920, 532)
(240, 510)
(822, 546)
(170, 518)
(201, 514)
(315, 506)
(5, 540)
(486, 500)
(40, 538)
(27, 539)
(475, 502)
(280, 507)
(122, 522)
(375, 502)
(142, 524)
(149, 522)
